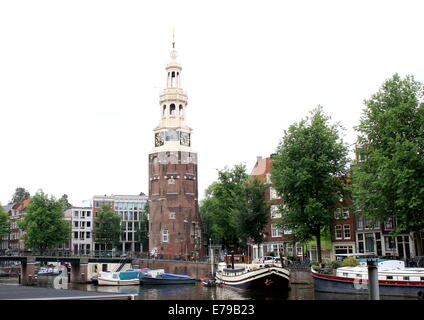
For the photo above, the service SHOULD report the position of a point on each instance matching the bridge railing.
(102, 254)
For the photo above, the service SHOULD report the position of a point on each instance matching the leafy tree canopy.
(65, 202)
(107, 227)
(307, 172)
(44, 223)
(4, 222)
(389, 182)
(234, 208)
(20, 195)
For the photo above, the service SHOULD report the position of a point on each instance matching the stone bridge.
(79, 265)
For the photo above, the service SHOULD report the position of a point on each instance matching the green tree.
(389, 182)
(65, 201)
(20, 195)
(107, 228)
(255, 216)
(4, 223)
(44, 223)
(143, 229)
(223, 205)
(307, 172)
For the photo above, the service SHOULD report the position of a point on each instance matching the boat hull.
(272, 279)
(152, 280)
(117, 282)
(330, 283)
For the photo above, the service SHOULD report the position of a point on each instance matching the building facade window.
(338, 230)
(361, 246)
(359, 222)
(275, 231)
(346, 231)
(165, 235)
(337, 213)
(390, 243)
(268, 178)
(273, 194)
(287, 231)
(388, 225)
(274, 212)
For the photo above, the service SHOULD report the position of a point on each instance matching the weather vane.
(173, 38)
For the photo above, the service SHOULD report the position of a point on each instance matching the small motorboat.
(116, 279)
(208, 282)
(160, 277)
(49, 272)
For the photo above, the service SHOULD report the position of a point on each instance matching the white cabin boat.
(114, 279)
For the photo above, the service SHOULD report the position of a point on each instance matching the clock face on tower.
(159, 139)
(185, 139)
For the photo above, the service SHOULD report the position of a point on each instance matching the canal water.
(199, 292)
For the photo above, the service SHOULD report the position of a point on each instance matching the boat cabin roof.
(233, 270)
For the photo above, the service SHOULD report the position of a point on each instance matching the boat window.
(389, 277)
(345, 274)
(405, 278)
(422, 278)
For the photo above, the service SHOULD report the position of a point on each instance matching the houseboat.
(252, 276)
(394, 279)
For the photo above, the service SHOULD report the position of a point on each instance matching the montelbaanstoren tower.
(174, 220)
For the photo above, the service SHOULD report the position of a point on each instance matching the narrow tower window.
(172, 110)
(181, 110)
(164, 110)
(173, 74)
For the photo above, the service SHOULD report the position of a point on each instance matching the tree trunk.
(318, 236)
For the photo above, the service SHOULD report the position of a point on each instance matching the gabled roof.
(262, 167)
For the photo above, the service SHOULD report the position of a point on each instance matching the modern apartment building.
(130, 208)
(82, 229)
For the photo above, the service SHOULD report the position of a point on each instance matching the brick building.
(275, 238)
(343, 233)
(174, 222)
(16, 241)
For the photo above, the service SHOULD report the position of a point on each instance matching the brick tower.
(174, 220)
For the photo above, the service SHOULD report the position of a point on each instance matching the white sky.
(80, 81)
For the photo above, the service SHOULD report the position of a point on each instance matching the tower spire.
(173, 38)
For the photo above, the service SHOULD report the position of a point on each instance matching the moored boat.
(49, 272)
(116, 279)
(208, 281)
(160, 277)
(253, 276)
(394, 279)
